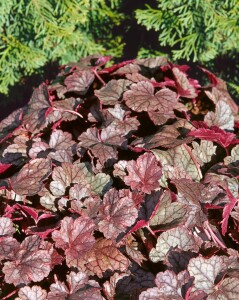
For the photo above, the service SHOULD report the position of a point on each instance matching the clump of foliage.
(121, 182)
(33, 32)
(202, 31)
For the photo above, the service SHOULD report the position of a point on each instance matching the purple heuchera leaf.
(168, 287)
(8, 248)
(110, 286)
(29, 264)
(141, 97)
(177, 237)
(227, 289)
(116, 213)
(102, 143)
(132, 249)
(63, 177)
(29, 181)
(79, 82)
(75, 236)
(144, 174)
(32, 293)
(112, 91)
(168, 215)
(6, 226)
(60, 140)
(10, 124)
(78, 287)
(184, 86)
(105, 256)
(38, 108)
(205, 272)
(222, 117)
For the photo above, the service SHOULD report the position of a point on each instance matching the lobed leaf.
(141, 97)
(144, 173)
(29, 181)
(205, 272)
(116, 213)
(178, 237)
(75, 236)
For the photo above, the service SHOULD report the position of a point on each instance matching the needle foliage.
(33, 32)
(204, 31)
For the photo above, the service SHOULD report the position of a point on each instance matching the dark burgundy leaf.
(177, 259)
(29, 180)
(39, 106)
(135, 283)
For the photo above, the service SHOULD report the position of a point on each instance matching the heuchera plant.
(121, 182)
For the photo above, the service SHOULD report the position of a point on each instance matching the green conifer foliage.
(33, 32)
(197, 30)
(202, 29)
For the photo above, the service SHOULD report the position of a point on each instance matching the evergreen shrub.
(34, 32)
(203, 31)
